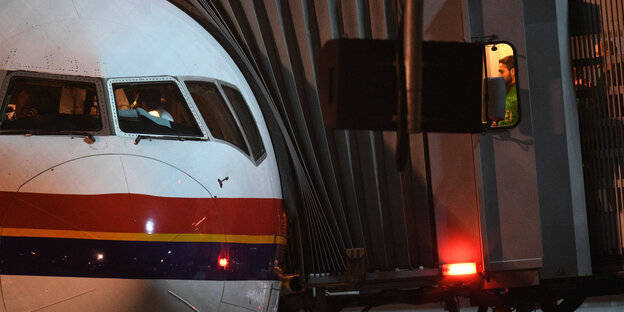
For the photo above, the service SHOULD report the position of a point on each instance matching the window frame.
(262, 156)
(516, 74)
(155, 79)
(103, 102)
(218, 83)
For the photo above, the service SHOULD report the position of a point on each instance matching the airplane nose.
(108, 216)
(153, 177)
(134, 194)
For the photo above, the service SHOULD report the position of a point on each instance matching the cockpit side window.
(154, 107)
(216, 113)
(246, 119)
(42, 104)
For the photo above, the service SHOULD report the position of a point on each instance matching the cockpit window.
(154, 108)
(246, 119)
(50, 105)
(216, 113)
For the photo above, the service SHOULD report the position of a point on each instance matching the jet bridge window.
(39, 104)
(216, 113)
(247, 121)
(500, 62)
(154, 108)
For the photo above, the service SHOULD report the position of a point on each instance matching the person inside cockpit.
(121, 99)
(25, 103)
(150, 100)
(72, 100)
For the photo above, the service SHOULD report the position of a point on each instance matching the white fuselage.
(114, 219)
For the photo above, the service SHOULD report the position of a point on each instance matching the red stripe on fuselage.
(132, 212)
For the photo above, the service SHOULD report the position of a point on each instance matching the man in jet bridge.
(506, 69)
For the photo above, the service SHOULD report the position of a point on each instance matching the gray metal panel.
(451, 157)
(443, 20)
(419, 221)
(360, 194)
(346, 178)
(378, 20)
(370, 193)
(556, 135)
(352, 19)
(396, 227)
(455, 198)
(306, 111)
(510, 214)
(301, 49)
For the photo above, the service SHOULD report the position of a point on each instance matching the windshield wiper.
(167, 137)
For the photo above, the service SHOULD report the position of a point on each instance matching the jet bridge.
(511, 200)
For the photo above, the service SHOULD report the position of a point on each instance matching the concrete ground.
(594, 304)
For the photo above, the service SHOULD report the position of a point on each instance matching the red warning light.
(223, 262)
(459, 268)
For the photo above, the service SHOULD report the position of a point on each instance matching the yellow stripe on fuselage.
(156, 237)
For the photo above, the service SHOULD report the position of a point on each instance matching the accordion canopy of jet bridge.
(342, 188)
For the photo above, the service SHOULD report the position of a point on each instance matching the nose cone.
(112, 193)
(116, 174)
(112, 197)
(108, 216)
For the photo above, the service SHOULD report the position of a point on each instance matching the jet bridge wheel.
(524, 307)
(568, 303)
(450, 305)
(519, 308)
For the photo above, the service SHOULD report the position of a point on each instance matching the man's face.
(507, 74)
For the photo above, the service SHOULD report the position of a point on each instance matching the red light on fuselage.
(459, 268)
(223, 262)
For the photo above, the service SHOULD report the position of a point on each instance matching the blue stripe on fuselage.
(137, 260)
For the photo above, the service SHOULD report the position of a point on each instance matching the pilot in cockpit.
(72, 100)
(121, 99)
(150, 100)
(25, 102)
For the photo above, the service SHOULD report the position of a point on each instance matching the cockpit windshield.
(153, 108)
(42, 104)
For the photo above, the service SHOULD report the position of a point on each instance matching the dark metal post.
(412, 49)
